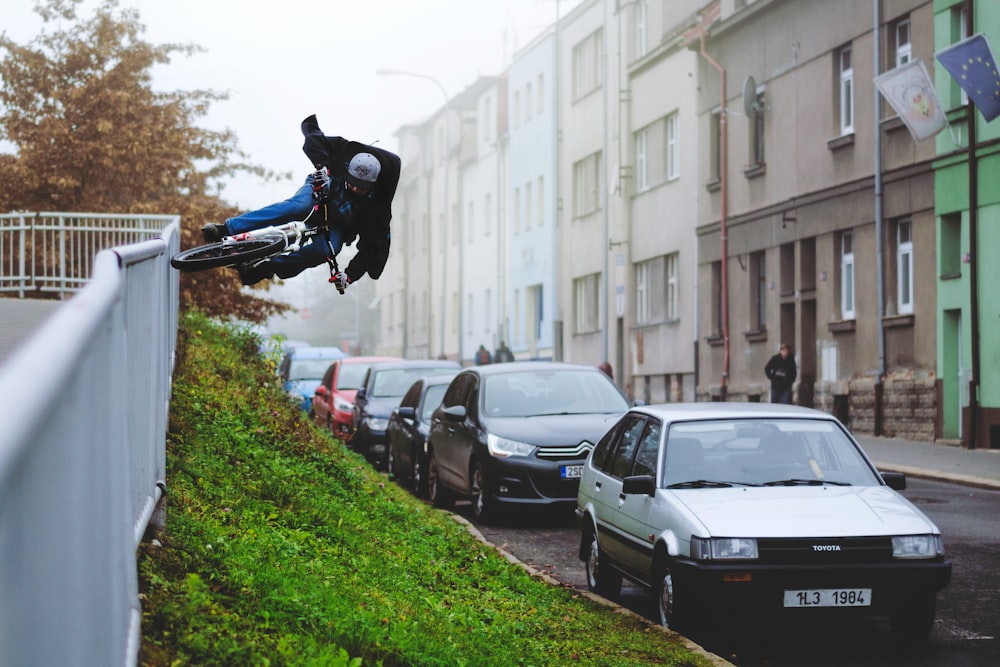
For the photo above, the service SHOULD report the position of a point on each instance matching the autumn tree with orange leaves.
(91, 135)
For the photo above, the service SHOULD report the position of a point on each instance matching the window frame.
(846, 90)
(904, 267)
(672, 161)
(848, 294)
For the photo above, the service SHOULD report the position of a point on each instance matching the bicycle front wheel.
(233, 253)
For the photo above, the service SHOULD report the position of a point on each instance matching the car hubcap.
(432, 479)
(592, 563)
(478, 499)
(666, 599)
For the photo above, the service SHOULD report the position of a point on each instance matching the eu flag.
(972, 65)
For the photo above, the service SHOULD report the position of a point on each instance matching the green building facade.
(968, 243)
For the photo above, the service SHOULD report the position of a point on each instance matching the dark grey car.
(407, 432)
(517, 434)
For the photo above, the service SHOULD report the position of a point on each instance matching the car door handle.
(597, 485)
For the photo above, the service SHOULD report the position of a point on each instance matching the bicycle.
(247, 248)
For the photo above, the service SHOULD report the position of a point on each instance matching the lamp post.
(386, 71)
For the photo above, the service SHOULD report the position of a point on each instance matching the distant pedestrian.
(781, 371)
(483, 356)
(503, 353)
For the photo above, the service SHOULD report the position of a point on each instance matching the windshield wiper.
(804, 482)
(700, 484)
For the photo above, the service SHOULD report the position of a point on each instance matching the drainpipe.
(974, 416)
(879, 259)
(723, 231)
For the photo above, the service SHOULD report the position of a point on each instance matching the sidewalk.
(930, 460)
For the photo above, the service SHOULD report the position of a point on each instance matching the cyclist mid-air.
(350, 194)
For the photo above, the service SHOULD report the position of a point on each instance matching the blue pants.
(296, 207)
(781, 395)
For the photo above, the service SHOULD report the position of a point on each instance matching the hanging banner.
(972, 65)
(909, 90)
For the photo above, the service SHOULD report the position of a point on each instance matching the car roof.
(416, 363)
(369, 360)
(526, 366)
(317, 353)
(670, 412)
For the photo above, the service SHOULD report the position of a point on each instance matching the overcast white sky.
(282, 60)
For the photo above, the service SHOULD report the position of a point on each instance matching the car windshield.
(307, 369)
(432, 399)
(762, 452)
(351, 375)
(393, 383)
(551, 392)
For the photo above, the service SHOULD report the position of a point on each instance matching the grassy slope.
(284, 548)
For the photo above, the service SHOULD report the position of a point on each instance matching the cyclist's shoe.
(254, 273)
(214, 233)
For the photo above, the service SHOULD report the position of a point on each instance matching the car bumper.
(761, 587)
(532, 481)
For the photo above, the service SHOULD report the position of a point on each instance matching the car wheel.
(418, 477)
(439, 496)
(601, 578)
(483, 505)
(665, 595)
(912, 619)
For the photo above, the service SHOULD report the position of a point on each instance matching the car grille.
(825, 551)
(578, 451)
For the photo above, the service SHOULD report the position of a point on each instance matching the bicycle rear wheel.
(233, 253)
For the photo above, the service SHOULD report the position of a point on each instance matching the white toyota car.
(753, 508)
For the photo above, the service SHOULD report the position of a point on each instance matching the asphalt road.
(967, 631)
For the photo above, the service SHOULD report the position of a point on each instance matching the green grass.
(284, 548)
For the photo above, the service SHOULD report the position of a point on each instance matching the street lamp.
(388, 71)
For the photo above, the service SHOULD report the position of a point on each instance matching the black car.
(382, 390)
(407, 432)
(517, 434)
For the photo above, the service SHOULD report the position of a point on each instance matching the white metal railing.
(54, 252)
(83, 407)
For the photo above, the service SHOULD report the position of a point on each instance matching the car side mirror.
(321, 391)
(644, 485)
(894, 480)
(405, 412)
(455, 413)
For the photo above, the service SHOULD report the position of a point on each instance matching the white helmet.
(363, 170)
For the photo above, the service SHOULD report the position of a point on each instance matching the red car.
(333, 399)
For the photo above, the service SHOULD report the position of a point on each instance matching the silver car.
(751, 509)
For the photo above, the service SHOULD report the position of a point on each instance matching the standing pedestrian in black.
(781, 371)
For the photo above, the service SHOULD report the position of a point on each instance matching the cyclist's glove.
(341, 280)
(320, 184)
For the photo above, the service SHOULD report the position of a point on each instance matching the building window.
(641, 18)
(847, 276)
(586, 300)
(959, 31)
(487, 309)
(517, 108)
(527, 101)
(587, 75)
(642, 314)
(471, 223)
(846, 91)
(517, 210)
(587, 185)
(758, 291)
(536, 295)
(541, 201)
(541, 93)
(716, 324)
(757, 133)
(715, 146)
(904, 266)
(528, 203)
(671, 287)
(904, 51)
(950, 250)
(673, 150)
(641, 161)
(487, 113)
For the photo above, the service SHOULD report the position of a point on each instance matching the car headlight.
(377, 424)
(723, 548)
(340, 405)
(504, 447)
(917, 546)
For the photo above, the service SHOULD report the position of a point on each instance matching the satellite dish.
(750, 106)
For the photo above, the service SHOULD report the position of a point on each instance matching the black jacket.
(371, 225)
(781, 372)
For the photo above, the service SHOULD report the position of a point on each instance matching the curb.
(688, 644)
(923, 473)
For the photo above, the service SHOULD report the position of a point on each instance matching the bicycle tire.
(234, 253)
